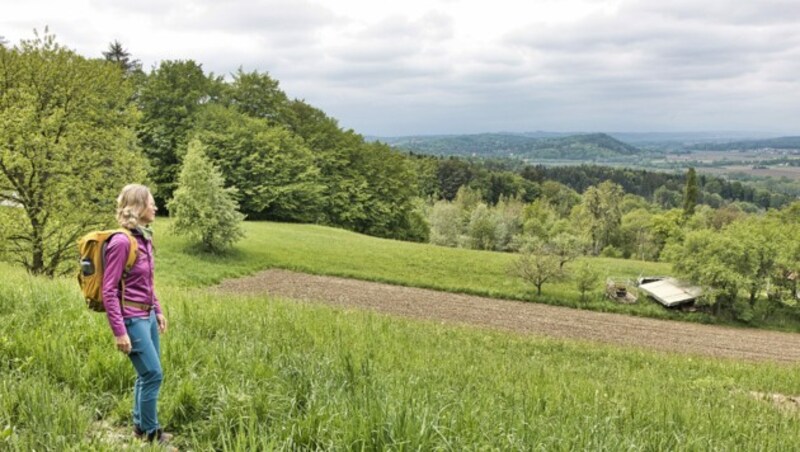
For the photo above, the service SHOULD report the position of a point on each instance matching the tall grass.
(257, 373)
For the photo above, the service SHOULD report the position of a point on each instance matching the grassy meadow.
(260, 373)
(337, 252)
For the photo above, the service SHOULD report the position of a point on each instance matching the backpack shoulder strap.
(133, 250)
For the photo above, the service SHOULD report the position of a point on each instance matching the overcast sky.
(451, 66)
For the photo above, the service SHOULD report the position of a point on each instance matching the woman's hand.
(162, 323)
(124, 344)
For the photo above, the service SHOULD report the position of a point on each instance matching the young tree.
(567, 247)
(586, 278)
(537, 265)
(202, 207)
(66, 148)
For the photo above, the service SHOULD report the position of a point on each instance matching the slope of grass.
(256, 373)
(330, 251)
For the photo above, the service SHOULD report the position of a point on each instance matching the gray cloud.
(265, 15)
(393, 38)
(761, 12)
(230, 16)
(680, 63)
(390, 54)
(150, 8)
(646, 65)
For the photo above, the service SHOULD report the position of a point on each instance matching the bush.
(611, 251)
(586, 278)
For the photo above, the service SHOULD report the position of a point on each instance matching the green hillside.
(331, 251)
(572, 147)
(259, 373)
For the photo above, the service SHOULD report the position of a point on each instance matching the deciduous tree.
(712, 260)
(272, 169)
(259, 96)
(170, 99)
(66, 148)
(537, 265)
(602, 209)
(482, 228)
(446, 224)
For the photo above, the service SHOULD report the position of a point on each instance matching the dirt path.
(529, 318)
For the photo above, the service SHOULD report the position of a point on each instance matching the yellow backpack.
(92, 249)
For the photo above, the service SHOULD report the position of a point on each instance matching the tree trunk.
(37, 246)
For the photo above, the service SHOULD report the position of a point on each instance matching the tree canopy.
(66, 147)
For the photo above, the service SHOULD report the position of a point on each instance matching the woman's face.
(149, 213)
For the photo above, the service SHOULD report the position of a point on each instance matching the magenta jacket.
(138, 284)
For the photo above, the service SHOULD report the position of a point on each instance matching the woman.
(138, 319)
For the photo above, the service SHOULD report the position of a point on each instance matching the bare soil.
(522, 317)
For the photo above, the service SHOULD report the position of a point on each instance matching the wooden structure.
(620, 291)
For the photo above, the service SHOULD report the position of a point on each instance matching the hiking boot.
(159, 436)
(138, 432)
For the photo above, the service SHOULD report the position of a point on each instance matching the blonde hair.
(131, 202)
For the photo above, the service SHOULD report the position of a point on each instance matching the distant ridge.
(534, 145)
(748, 145)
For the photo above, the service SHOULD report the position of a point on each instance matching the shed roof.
(671, 292)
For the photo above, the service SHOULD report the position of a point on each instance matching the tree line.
(507, 177)
(74, 130)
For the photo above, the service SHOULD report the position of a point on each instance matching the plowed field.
(526, 318)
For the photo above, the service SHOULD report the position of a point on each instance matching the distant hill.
(749, 145)
(538, 145)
